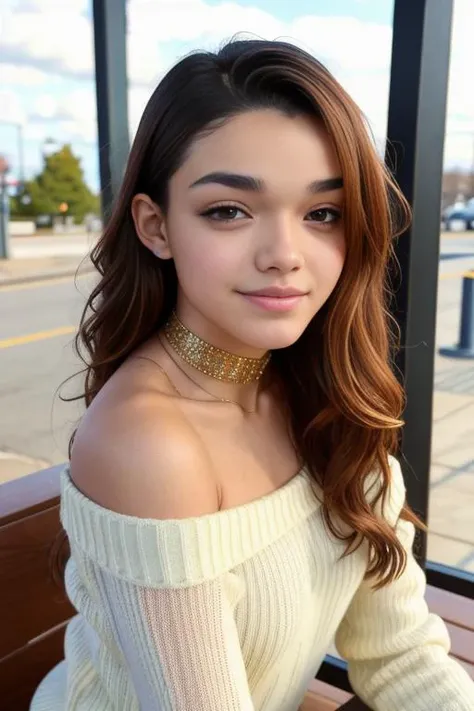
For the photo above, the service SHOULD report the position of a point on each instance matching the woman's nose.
(279, 248)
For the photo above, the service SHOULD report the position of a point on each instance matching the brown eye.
(325, 215)
(223, 213)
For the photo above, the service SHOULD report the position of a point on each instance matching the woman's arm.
(180, 646)
(397, 651)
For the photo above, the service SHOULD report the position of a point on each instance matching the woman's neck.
(199, 386)
(213, 371)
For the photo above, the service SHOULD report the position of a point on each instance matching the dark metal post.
(111, 93)
(416, 130)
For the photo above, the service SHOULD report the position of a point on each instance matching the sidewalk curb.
(45, 276)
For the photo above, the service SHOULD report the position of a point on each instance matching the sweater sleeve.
(180, 644)
(397, 651)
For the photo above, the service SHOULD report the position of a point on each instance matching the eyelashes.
(228, 210)
(331, 212)
(227, 213)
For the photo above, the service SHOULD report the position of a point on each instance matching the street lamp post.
(21, 155)
(4, 209)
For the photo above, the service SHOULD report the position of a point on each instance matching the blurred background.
(51, 203)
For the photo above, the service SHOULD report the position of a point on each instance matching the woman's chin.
(276, 338)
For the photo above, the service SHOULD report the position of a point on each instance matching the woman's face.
(256, 207)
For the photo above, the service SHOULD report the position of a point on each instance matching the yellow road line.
(40, 336)
(454, 275)
(457, 235)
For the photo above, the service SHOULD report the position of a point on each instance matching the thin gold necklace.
(215, 397)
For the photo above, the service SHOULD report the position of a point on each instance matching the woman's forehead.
(266, 145)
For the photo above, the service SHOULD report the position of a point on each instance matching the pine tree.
(60, 183)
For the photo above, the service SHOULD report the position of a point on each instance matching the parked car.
(43, 221)
(458, 218)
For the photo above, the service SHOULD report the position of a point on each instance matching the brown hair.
(343, 400)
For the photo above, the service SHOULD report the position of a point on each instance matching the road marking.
(457, 235)
(42, 282)
(40, 336)
(454, 275)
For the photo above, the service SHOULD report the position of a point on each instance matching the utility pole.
(4, 209)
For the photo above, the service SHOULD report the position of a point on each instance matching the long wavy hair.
(343, 400)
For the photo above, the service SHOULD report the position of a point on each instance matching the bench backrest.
(33, 604)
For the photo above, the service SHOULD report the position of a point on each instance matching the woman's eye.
(325, 215)
(223, 213)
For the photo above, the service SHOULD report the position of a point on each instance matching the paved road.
(32, 421)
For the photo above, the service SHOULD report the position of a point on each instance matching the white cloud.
(145, 63)
(14, 75)
(81, 106)
(346, 43)
(77, 6)
(137, 100)
(459, 140)
(461, 92)
(46, 106)
(195, 20)
(11, 107)
(74, 114)
(50, 36)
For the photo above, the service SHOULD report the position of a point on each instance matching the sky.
(47, 63)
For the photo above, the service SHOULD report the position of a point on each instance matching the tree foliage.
(60, 183)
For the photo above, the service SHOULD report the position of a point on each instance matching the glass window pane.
(451, 504)
(48, 135)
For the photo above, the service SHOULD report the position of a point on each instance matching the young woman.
(232, 503)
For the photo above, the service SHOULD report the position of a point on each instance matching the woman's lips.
(274, 303)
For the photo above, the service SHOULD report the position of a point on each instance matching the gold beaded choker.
(210, 360)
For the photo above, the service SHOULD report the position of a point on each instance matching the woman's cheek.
(327, 261)
(219, 258)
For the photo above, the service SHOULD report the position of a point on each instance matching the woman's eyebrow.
(257, 185)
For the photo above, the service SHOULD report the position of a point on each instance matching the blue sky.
(365, 10)
(47, 76)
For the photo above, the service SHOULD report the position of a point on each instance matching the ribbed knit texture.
(234, 611)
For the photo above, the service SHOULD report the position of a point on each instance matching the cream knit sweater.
(234, 611)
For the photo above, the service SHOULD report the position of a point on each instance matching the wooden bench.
(35, 610)
(33, 607)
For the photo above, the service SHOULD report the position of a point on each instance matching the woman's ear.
(150, 226)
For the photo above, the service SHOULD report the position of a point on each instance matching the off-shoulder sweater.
(235, 611)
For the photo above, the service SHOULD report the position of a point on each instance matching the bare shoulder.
(135, 453)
